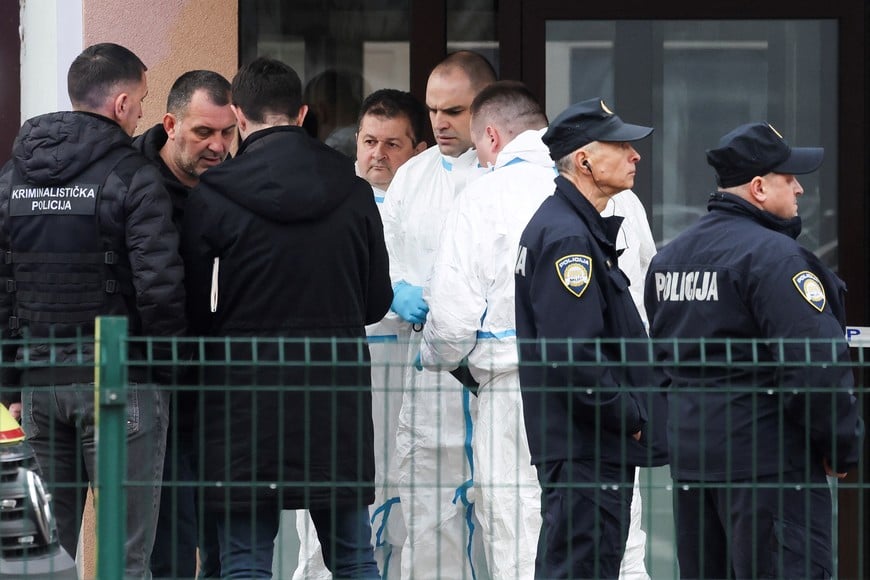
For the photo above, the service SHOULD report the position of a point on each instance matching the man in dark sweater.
(196, 133)
(284, 243)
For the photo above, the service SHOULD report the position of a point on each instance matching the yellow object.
(10, 430)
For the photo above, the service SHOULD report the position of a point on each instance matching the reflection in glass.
(707, 78)
(342, 53)
(471, 25)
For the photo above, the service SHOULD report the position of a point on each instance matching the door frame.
(853, 215)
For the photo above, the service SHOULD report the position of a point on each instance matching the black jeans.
(59, 424)
(178, 525)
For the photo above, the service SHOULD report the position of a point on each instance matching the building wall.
(170, 36)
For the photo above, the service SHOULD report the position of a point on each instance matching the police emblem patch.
(811, 289)
(574, 272)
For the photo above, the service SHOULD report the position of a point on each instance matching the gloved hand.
(408, 303)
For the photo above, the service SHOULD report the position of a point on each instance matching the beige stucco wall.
(170, 36)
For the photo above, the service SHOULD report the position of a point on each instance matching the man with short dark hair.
(471, 294)
(590, 409)
(761, 406)
(86, 226)
(433, 451)
(391, 131)
(284, 243)
(196, 133)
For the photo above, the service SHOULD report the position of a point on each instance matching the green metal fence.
(191, 365)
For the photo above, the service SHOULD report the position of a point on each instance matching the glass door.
(695, 80)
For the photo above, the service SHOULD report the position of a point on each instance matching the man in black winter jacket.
(761, 407)
(86, 228)
(284, 241)
(196, 133)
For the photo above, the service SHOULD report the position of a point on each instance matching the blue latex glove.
(408, 303)
(418, 362)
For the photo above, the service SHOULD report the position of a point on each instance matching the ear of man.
(169, 124)
(120, 106)
(495, 139)
(241, 119)
(300, 117)
(756, 189)
(581, 162)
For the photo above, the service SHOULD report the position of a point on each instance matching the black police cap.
(585, 122)
(757, 149)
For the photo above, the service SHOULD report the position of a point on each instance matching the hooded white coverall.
(387, 341)
(471, 301)
(433, 437)
(638, 247)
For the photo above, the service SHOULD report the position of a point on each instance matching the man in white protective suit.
(636, 242)
(471, 300)
(391, 130)
(433, 438)
(471, 296)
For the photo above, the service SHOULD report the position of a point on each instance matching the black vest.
(65, 269)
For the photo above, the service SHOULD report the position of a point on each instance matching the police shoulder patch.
(811, 289)
(575, 272)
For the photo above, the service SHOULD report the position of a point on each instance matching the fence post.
(110, 400)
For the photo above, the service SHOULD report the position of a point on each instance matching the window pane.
(707, 78)
(343, 50)
(471, 25)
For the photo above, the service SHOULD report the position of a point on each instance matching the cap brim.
(801, 160)
(626, 132)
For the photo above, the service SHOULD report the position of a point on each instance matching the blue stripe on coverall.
(386, 508)
(462, 490)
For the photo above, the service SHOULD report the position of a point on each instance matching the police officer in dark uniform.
(591, 418)
(759, 424)
(86, 230)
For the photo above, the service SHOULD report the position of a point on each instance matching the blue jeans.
(178, 534)
(247, 541)
(59, 424)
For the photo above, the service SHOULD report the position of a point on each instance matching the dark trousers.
(770, 527)
(59, 424)
(178, 532)
(584, 525)
(247, 542)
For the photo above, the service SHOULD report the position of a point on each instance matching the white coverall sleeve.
(641, 246)
(393, 227)
(456, 294)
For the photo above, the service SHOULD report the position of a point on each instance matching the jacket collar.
(256, 136)
(604, 230)
(733, 204)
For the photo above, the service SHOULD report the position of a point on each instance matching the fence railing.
(319, 370)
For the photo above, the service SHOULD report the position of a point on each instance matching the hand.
(408, 303)
(636, 436)
(830, 471)
(15, 411)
